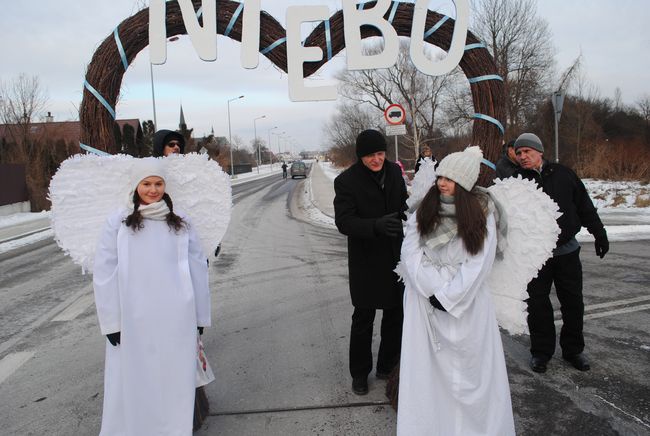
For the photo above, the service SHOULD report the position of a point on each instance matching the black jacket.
(570, 194)
(358, 202)
(505, 167)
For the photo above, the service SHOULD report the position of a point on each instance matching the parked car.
(298, 168)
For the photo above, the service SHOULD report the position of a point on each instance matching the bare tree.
(342, 129)
(644, 108)
(21, 100)
(420, 94)
(520, 43)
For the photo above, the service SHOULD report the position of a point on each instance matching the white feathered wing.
(87, 188)
(531, 237)
(532, 233)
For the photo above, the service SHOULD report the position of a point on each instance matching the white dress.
(453, 378)
(152, 286)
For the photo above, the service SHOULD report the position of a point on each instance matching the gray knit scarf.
(447, 228)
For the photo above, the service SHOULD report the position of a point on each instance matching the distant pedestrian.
(284, 170)
(453, 378)
(166, 142)
(424, 153)
(507, 164)
(564, 269)
(369, 205)
(151, 294)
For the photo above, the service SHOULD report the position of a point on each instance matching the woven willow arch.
(117, 51)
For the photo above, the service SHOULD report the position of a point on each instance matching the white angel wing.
(87, 188)
(422, 182)
(531, 237)
(200, 188)
(84, 191)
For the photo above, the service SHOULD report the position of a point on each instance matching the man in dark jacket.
(369, 205)
(564, 268)
(166, 142)
(507, 165)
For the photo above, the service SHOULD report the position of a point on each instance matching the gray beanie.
(462, 167)
(529, 140)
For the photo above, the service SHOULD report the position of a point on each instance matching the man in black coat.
(369, 206)
(564, 268)
(166, 142)
(507, 165)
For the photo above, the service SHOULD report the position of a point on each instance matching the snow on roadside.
(27, 240)
(22, 217)
(313, 213)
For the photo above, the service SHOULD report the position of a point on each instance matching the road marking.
(610, 304)
(302, 408)
(611, 312)
(76, 308)
(41, 320)
(640, 421)
(12, 362)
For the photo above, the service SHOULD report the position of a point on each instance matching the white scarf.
(157, 211)
(447, 227)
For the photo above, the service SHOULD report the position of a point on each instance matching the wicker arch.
(112, 57)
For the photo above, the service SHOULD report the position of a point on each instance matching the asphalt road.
(278, 345)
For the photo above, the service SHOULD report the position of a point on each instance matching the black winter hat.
(162, 137)
(370, 141)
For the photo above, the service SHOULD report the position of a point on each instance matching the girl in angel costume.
(453, 378)
(150, 279)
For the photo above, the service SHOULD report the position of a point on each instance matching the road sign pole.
(396, 156)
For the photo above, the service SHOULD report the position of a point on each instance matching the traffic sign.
(395, 114)
(395, 130)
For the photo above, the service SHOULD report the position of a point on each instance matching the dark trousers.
(565, 272)
(361, 340)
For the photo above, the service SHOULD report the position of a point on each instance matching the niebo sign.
(205, 42)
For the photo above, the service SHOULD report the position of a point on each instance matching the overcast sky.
(55, 40)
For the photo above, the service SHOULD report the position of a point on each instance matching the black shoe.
(578, 361)
(538, 363)
(360, 385)
(381, 375)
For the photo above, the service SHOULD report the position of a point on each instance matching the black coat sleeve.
(586, 210)
(346, 215)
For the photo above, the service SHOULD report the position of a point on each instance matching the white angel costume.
(151, 284)
(453, 378)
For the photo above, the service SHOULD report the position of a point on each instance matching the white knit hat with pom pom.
(462, 167)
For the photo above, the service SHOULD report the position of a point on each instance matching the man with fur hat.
(369, 206)
(166, 142)
(564, 268)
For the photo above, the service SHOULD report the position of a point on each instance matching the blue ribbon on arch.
(491, 120)
(233, 19)
(92, 150)
(486, 77)
(489, 164)
(328, 39)
(475, 45)
(361, 5)
(435, 27)
(274, 45)
(393, 11)
(99, 97)
(120, 48)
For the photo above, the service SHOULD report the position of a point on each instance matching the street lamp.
(270, 155)
(259, 155)
(232, 165)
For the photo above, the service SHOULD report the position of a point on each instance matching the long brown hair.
(134, 220)
(470, 216)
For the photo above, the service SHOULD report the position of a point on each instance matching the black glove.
(389, 225)
(601, 243)
(114, 338)
(200, 329)
(435, 303)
